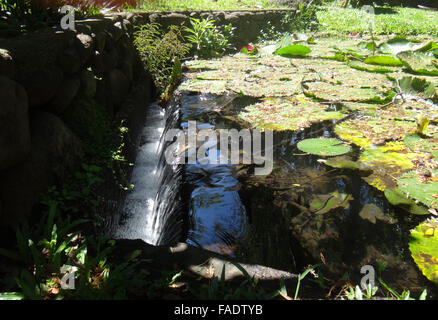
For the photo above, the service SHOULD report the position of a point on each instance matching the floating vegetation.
(324, 146)
(324, 203)
(424, 248)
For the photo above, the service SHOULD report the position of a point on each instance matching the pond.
(312, 207)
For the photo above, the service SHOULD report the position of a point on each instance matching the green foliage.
(159, 50)
(208, 40)
(306, 18)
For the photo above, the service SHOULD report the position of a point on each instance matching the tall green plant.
(209, 40)
(159, 50)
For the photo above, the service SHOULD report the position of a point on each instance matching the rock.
(69, 61)
(109, 60)
(55, 152)
(127, 69)
(85, 46)
(88, 84)
(14, 123)
(42, 86)
(98, 64)
(7, 67)
(57, 143)
(118, 86)
(100, 40)
(64, 96)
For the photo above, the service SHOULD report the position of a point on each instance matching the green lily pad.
(424, 248)
(358, 65)
(419, 62)
(372, 213)
(383, 61)
(430, 46)
(419, 187)
(366, 131)
(417, 86)
(293, 51)
(399, 199)
(287, 113)
(324, 146)
(388, 162)
(324, 203)
(396, 45)
(331, 92)
(418, 143)
(343, 163)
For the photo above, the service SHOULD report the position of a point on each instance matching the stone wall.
(54, 84)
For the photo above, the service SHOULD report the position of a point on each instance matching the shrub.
(158, 51)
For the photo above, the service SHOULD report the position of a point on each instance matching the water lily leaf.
(372, 213)
(430, 46)
(419, 62)
(324, 146)
(417, 86)
(287, 113)
(366, 131)
(342, 162)
(419, 187)
(419, 143)
(358, 65)
(396, 45)
(383, 61)
(293, 51)
(399, 199)
(331, 92)
(424, 248)
(387, 162)
(324, 203)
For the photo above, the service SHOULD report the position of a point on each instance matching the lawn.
(167, 5)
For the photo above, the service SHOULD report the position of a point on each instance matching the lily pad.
(420, 187)
(343, 163)
(419, 143)
(424, 248)
(388, 162)
(324, 146)
(417, 86)
(399, 199)
(324, 203)
(331, 92)
(293, 51)
(358, 65)
(372, 213)
(419, 62)
(383, 61)
(366, 131)
(397, 45)
(287, 113)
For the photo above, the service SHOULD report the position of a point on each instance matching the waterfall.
(152, 210)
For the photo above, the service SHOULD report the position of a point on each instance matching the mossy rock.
(424, 248)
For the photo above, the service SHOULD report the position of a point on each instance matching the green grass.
(167, 5)
(395, 20)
